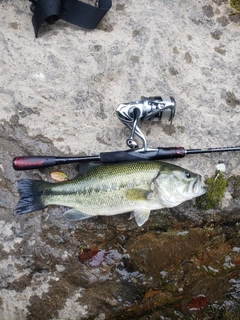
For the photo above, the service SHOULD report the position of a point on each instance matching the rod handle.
(132, 155)
(38, 162)
(33, 162)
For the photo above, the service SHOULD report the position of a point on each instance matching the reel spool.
(152, 108)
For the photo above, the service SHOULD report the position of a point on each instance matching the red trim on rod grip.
(21, 163)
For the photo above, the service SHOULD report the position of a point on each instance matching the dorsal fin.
(83, 168)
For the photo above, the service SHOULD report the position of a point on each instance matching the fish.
(111, 189)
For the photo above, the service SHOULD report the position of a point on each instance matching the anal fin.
(75, 215)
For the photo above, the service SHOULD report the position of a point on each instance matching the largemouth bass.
(136, 187)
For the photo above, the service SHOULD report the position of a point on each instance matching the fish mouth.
(198, 187)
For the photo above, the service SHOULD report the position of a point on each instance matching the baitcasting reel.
(152, 108)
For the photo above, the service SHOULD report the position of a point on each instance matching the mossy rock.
(216, 187)
(234, 182)
(235, 4)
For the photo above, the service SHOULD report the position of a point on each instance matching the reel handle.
(131, 143)
(152, 108)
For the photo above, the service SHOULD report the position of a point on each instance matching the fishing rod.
(37, 162)
(130, 114)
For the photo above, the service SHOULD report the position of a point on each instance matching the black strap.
(74, 11)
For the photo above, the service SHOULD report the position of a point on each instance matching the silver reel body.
(152, 108)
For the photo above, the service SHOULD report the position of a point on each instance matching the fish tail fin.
(30, 192)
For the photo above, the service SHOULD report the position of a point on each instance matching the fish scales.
(103, 187)
(113, 189)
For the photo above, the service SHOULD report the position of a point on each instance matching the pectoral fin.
(74, 215)
(141, 216)
(137, 194)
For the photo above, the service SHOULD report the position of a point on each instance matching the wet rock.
(173, 71)
(232, 100)
(223, 20)
(130, 272)
(188, 57)
(219, 2)
(58, 97)
(208, 11)
(152, 269)
(235, 17)
(216, 34)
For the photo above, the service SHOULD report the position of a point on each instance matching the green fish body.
(111, 189)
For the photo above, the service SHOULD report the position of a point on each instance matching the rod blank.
(210, 150)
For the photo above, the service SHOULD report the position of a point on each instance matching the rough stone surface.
(58, 97)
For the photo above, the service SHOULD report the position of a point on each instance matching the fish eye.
(187, 175)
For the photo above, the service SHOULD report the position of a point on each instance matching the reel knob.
(132, 144)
